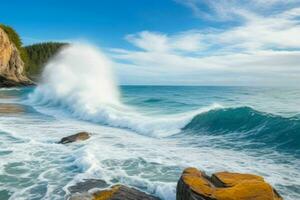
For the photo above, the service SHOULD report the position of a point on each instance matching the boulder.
(80, 191)
(121, 192)
(89, 190)
(196, 185)
(86, 185)
(76, 137)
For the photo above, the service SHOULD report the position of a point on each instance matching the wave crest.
(248, 124)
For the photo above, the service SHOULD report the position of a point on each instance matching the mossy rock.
(196, 185)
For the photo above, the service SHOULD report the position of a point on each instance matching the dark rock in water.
(5, 82)
(87, 185)
(195, 185)
(75, 137)
(121, 192)
(82, 191)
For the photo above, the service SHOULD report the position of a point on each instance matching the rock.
(11, 108)
(87, 185)
(121, 192)
(80, 191)
(195, 185)
(75, 137)
(84, 191)
(12, 72)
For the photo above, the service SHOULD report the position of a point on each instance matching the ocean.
(141, 136)
(162, 130)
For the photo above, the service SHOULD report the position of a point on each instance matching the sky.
(175, 42)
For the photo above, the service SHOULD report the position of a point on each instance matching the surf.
(248, 125)
(80, 81)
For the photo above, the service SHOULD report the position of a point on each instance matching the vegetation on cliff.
(38, 55)
(34, 56)
(15, 38)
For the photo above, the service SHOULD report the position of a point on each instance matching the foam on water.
(119, 156)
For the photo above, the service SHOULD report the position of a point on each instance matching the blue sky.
(177, 42)
(105, 22)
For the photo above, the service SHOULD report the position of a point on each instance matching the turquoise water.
(149, 139)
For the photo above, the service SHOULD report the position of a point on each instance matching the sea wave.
(119, 116)
(86, 89)
(96, 97)
(245, 123)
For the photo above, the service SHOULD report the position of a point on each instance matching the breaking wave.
(79, 80)
(245, 123)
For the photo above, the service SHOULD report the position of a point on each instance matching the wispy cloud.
(263, 49)
(235, 10)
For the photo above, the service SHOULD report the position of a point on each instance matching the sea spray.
(79, 80)
(80, 75)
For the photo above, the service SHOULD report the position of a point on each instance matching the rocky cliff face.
(12, 71)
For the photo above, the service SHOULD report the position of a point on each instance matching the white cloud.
(264, 49)
(224, 10)
(149, 41)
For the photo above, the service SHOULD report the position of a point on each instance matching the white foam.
(152, 164)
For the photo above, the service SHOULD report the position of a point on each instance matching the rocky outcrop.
(76, 137)
(117, 192)
(12, 71)
(80, 191)
(86, 185)
(195, 185)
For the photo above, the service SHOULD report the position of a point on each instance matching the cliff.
(12, 68)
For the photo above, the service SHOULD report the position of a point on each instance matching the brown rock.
(12, 71)
(11, 108)
(75, 137)
(80, 191)
(86, 191)
(195, 185)
(121, 192)
(86, 185)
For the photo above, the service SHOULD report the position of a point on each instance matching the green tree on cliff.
(34, 56)
(39, 54)
(15, 38)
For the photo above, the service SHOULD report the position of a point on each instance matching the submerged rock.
(87, 185)
(76, 137)
(195, 185)
(121, 192)
(82, 191)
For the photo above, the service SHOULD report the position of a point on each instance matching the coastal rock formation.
(86, 185)
(195, 185)
(12, 71)
(117, 192)
(80, 191)
(76, 137)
